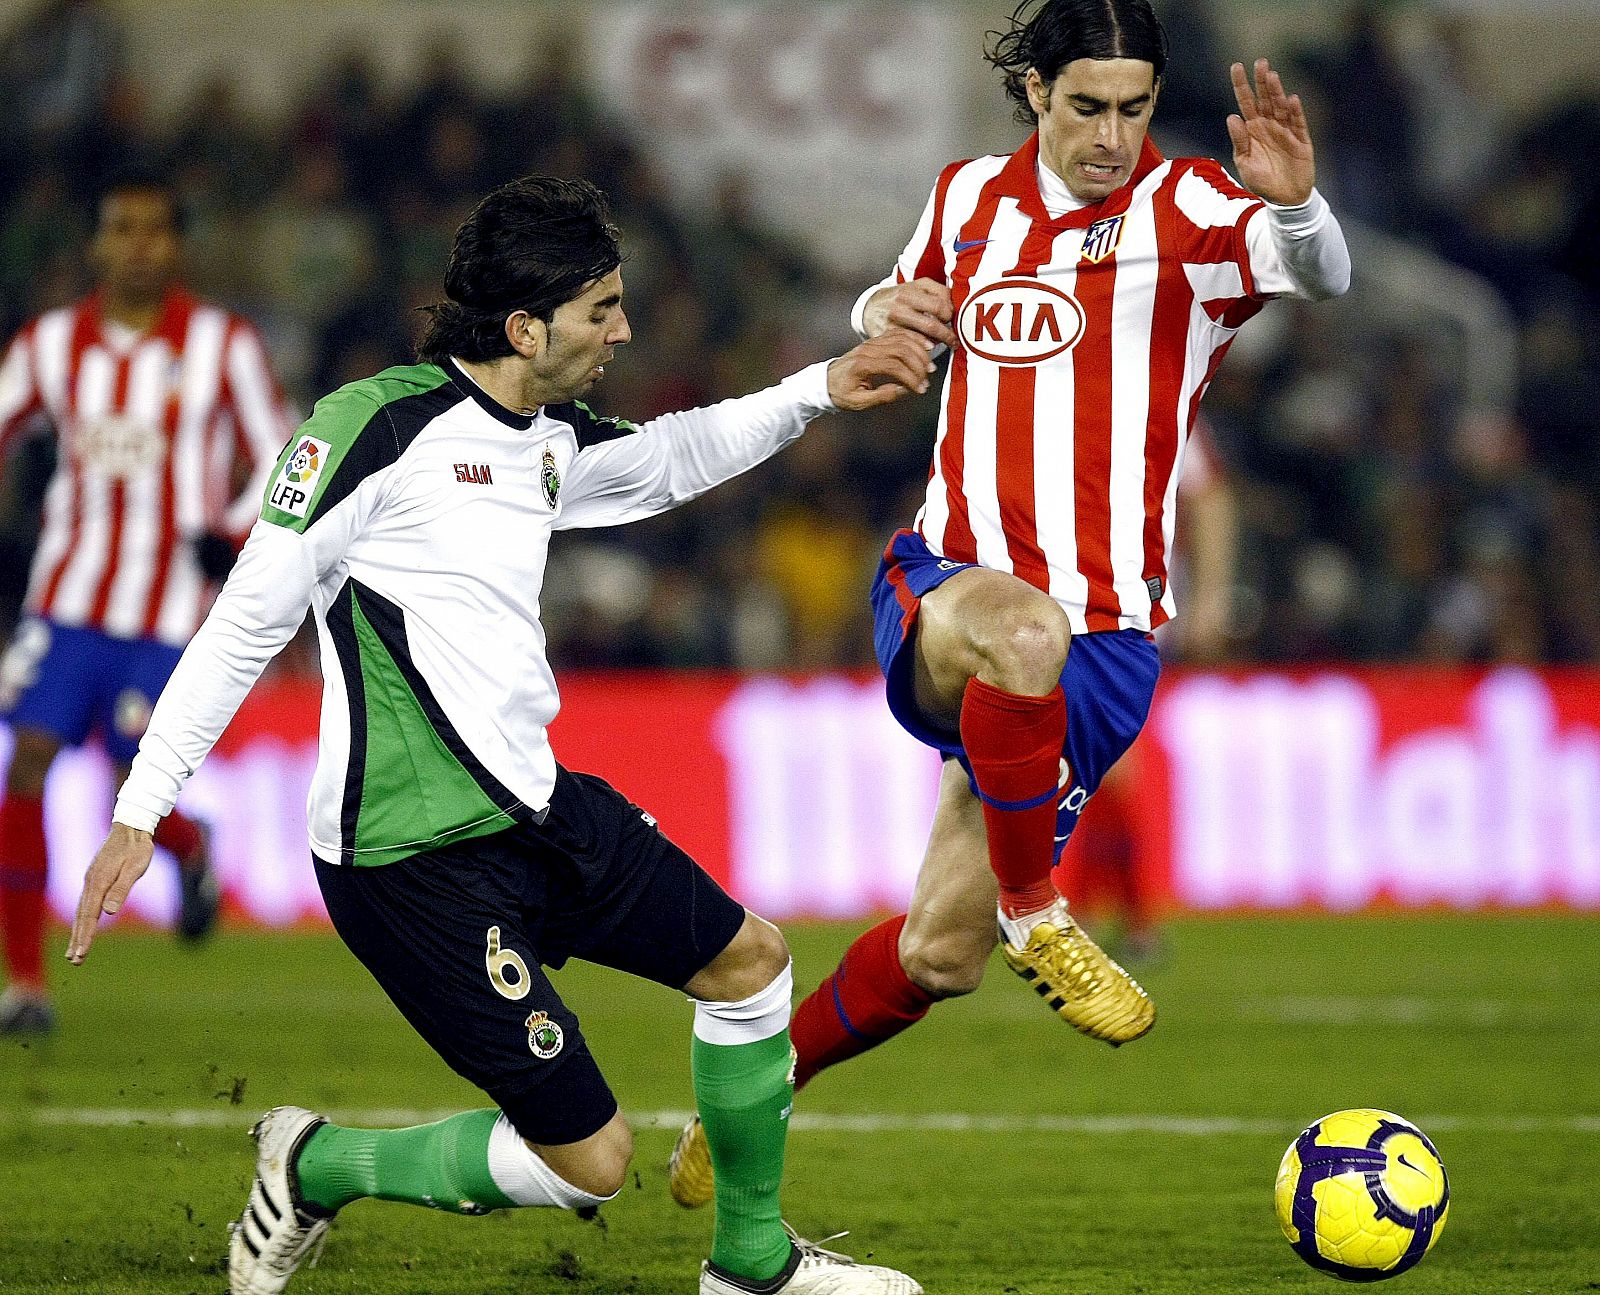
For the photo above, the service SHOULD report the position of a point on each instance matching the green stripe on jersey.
(395, 404)
(415, 793)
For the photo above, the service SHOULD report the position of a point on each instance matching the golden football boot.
(689, 1174)
(1084, 987)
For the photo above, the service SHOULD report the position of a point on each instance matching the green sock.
(444, 1165)
(744, 1095)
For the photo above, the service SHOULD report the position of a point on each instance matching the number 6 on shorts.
(498, 961)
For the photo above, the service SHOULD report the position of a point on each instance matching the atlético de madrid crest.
(1101, 238)
(550, 478)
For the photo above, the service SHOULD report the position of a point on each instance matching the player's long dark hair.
(1050, 35)
(530, 245)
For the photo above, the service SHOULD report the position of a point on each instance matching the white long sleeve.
(263, 603)
(1299, 251)
(678, 457)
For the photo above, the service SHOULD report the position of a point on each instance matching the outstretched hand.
(119, 863)
(880, 370)
(1271, 141)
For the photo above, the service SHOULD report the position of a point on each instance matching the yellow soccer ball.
(1362, 1195)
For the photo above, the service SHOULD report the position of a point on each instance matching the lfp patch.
(544, 1036)
(296, 482)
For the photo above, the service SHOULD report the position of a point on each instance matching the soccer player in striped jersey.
(1087, 288)
(412, 514)
(167, 420)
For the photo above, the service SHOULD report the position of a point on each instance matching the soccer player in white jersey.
(1087, 287)
(158, 403)
(412, 514)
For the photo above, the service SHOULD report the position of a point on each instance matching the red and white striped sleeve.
(262, 419)
(19, 393)
(1214, 211)
(1295, 251)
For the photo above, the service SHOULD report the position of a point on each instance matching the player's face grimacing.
(135, 250)
(583, 335)
(1092, 121)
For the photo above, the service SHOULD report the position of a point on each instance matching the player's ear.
(528, 334)
(1038, 90)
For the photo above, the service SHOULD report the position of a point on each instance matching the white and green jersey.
(412, 514)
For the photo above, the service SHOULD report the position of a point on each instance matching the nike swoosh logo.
(1402, 1159)
(971, 242)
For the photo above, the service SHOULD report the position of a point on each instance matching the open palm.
(1271, 141)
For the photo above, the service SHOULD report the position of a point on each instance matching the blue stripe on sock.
(1033, 803)
(845, 1020)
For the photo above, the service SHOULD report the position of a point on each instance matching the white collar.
(1058, 199)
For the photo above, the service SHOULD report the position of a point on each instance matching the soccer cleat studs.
(1084, 987)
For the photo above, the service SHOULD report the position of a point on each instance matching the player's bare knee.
(599, 1164)
(1023, 648)
(942, 966)
(755, 958)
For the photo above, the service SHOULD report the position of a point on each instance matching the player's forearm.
(258, 611)
(679, 457)
(715, 444)
(1305, 254)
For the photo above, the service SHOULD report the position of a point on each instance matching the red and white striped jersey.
(1086, 342)
(153, 431)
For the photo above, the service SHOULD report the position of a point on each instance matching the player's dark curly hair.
(1050, 35)
(532, 245)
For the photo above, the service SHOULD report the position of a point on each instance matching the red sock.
(179, 834)
(1013, 745)
(868, 1000)
(22, 878)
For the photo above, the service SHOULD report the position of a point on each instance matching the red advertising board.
(1327, 788)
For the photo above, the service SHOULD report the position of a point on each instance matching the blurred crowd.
(1381, 514)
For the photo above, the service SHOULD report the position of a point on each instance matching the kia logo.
(1020, 321)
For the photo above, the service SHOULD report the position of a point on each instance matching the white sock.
(1016, 930)
(525, 1178)
(749, 1020)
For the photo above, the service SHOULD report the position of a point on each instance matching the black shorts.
(457, 937)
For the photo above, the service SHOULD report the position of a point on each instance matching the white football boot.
(813, 1271)
(276, 1233)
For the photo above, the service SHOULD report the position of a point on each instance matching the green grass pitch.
(989, 1151)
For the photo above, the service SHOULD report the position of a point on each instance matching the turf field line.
(1351, 1010)
(209, 1117)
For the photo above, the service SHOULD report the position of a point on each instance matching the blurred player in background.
(412, 513)
(1105, 866)
(1088, 288)
(167, 419)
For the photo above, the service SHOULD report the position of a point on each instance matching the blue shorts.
(1108, 680)
(70, 682)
